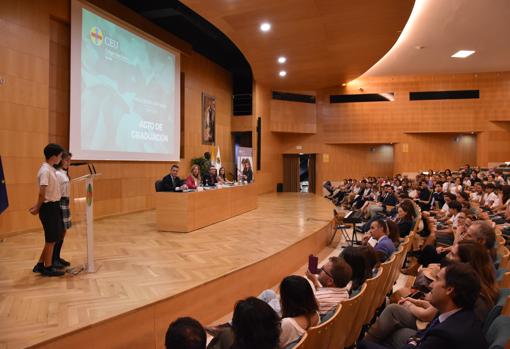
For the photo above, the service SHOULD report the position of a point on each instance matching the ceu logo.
(96, 36)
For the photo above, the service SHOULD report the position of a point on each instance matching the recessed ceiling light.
(463, 54)
(265, 27)
(282, 59)
(282, 73)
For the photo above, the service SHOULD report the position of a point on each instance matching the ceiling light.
(265, 27)
(282, 59)
(282, 73)
(463, 54)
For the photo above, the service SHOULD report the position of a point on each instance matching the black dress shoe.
(38, 268)
(51, 271)
(57, 265)
(64, 262)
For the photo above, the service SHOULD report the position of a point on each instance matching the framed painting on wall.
(208, 119)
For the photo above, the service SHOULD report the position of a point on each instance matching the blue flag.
(4, 203)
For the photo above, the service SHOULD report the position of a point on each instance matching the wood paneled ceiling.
(326, 42)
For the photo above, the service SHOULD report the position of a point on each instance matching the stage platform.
(147, 278)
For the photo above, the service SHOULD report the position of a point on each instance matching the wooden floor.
(138, 265)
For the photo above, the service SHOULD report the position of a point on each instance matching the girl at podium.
(62, 168)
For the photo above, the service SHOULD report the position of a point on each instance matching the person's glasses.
(326, 272)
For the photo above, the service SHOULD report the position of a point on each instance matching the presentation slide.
(124, 92)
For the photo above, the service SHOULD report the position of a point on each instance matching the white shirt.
(490, 199)
(63, 180)
(454, 188)
(476, 197)
(496, 203)
(291, 331)
(47, 177)
(444, 316)
(455, 220)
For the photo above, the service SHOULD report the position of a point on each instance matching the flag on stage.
(4, 203)
(218, 159)
(213, 156)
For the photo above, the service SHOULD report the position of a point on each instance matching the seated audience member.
(357, 260)
(405, 217)
(490, 198)
(477, 193)
(363, 195)
(379, 238)
(185, 333)
(424, 196)
(194, 180)
(255, 325)
(210, 179)
(371, 258)
(483, 233)
(446, 235)
(437, 198)
(299, 309)
(474, 254)
(171, 182)
(387, 199)
(393, 232)
(331, 284)
(454, 294)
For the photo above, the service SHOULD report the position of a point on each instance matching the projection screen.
(125, 91)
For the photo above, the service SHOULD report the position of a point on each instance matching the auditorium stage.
(145, 278)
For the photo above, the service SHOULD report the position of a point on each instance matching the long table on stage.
(185, 212)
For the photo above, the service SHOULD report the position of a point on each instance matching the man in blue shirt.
(379, 236)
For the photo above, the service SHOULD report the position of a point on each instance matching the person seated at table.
(210, 179)
(194, 180)
(222, 176)
(172, 182)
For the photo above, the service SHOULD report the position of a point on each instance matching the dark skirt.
(66, 212)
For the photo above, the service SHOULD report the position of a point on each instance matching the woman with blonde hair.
(194, 180)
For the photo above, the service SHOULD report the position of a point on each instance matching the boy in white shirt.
(489, 197)
(48, 208)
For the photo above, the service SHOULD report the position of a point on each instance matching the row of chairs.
(497, 324)
(344, 327)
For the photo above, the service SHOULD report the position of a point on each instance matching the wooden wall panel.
(271, 171)
(388, 122)
(421, 152)
(24, 64)
(293, 117)
(34, 106)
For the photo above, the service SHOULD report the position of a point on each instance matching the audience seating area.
(353, 316)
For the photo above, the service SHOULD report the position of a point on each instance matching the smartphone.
(313, 261)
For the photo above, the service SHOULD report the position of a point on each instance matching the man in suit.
(387, 199)
(171, 182)
(453, 294)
